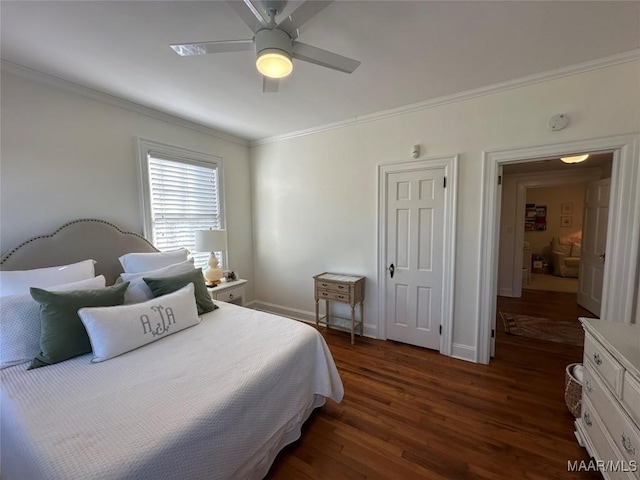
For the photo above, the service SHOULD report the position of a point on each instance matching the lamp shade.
(211, 240)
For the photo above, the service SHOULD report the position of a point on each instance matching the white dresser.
(609, 427)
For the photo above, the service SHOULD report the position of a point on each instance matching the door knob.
(392, 269)
(601, 256)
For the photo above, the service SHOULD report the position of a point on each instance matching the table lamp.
(212, 241)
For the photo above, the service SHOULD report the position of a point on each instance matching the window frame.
(145, 148)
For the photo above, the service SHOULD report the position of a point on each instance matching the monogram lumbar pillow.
(117, 330)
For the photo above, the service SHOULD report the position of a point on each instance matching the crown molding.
(36, 75)
(85, 91)
(604, 62)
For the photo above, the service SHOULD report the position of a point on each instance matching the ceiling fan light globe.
(274, 63)
(576, 159)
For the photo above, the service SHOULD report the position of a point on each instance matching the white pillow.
(144, 262)
(19, 281)
(20, 322)
(120, 329)
(138, 291)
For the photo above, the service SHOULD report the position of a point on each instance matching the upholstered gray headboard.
(77, 241)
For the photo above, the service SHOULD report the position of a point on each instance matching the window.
(181, 193)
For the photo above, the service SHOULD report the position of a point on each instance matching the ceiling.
(411, 51)
(604, 161)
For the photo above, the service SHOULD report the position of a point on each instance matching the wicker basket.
(573, 391)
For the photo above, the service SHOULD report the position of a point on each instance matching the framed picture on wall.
(535, 218)
(566, 209)
(530, 217)
(566, 221)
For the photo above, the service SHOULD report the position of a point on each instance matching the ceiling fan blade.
(188, 49)
(302, 15)
(310, 54)
(249, 14)
(270, 85)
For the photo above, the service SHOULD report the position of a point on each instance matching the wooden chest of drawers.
(342, 288)
(609, 427)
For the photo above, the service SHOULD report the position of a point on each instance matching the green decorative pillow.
(163, 286)
(62, 334)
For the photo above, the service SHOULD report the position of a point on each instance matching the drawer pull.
(324, 284)
(340, 296)
(231, 296)
(597, 359)
(324, 294)
(587, 385)
(340, 287)
(626, 444)
(587, 419)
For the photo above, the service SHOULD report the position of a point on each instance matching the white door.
(415, 241)
(594, 239)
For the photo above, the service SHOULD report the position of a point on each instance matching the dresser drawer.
(334, 287)
(230, 294)
(600, 440)
(620, 427)
(594, 390)
(624, 435)
(603, 363)
(631, 396)
(337, 296)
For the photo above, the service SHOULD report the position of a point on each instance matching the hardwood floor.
(411, 413)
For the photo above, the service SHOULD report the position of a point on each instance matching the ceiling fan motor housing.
(272, 39)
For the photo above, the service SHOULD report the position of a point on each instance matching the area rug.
(559, 331)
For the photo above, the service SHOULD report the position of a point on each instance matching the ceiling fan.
(275, 44)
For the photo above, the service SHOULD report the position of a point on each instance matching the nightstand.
(232, 292)
(341, 288)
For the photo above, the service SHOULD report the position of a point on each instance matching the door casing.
(623, 232)
(450, 164)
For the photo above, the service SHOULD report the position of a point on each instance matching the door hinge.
(445, 182)
(499, 179)
(493, 333)
(440, 329)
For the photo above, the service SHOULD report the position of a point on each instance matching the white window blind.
(184, 196)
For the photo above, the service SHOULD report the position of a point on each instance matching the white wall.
(66, 156)
(315, 196)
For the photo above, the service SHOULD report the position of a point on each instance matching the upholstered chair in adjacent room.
(565, 257)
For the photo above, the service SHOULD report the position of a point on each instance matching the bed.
(217, 400)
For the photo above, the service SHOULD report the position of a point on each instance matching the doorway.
(553, 249)
(620, 270)
(542, 224)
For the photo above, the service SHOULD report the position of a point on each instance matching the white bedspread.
(202, 403)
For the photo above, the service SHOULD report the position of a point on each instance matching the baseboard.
(294, 313)
(463, 352)
(302, 315)
(506, 292)
(459, 351)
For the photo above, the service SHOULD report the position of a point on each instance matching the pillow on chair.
(576, 250)
(570, 239)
